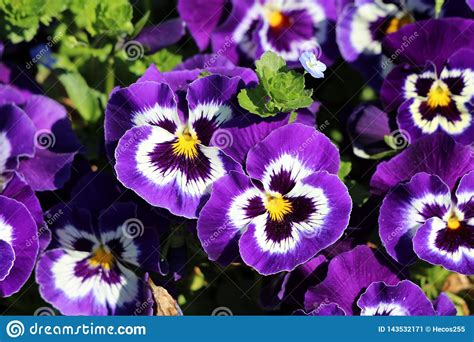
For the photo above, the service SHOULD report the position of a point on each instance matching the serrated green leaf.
(279, 90)
(85, 99)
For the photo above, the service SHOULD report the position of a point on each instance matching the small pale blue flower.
(310, 63)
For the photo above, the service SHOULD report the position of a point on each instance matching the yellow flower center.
(453, 223)
(186, 145)
(275, 18)
(439, 95)
(102, 258)
(277, 206)
(397, 23)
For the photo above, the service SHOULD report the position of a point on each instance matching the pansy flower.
(93, 269)
(18, 243)
(36, 140)
(349, 275)
(432, 88)
(288, 207)
(164, 152)
(285, 27)
(424, 218)
(402, 299)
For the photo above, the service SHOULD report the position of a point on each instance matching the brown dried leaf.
(165, 303)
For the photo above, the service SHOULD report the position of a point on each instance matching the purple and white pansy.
(18, 245)
(164, 152)
(424, 218)
(402, 299)
(365, 282)
(93, 269)
(437, 88)
(288, 207)
(285, 27)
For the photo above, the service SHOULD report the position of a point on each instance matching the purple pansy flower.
(91, 269)
(437, 154)
(433, 87)
(285, 27)
(349, 274)
(289, 207)
(165, 154)
(18, 244)
(424, 218)
(402, 299)
(39, 131)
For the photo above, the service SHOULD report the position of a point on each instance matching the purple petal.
(139, 104)
(310, 147)
(368, 127)
(403, 299)
(201, 17)
(16, 137)
(436, 154)
(444, 306)
(224, 217)
(7, 255)
(20, 191)
(18, 229)
(349, 274)
(159, 36)
(56, 145)
(451, 34)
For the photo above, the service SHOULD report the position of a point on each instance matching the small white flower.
(311, 64)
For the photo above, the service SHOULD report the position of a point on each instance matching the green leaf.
(344, 169)
(279, 90)
(140, 24)
(85, 99)
(20, 19)
(107, 17)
